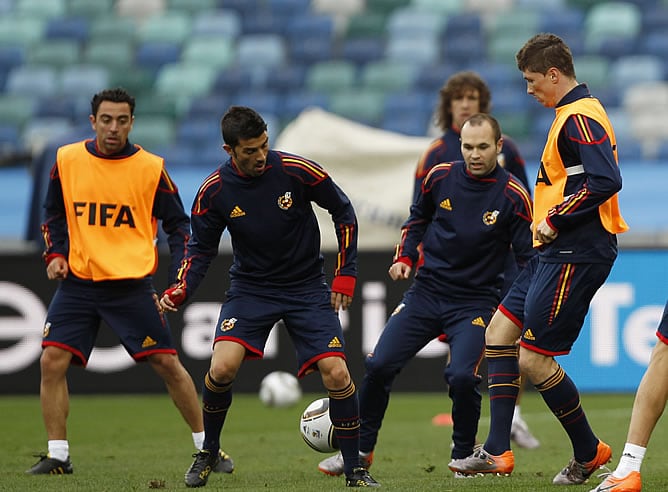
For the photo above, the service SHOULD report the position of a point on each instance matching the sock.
(59, 449)
(345, 415)
(216, 401)
(631, 460)
(198, 440)
(562, 397)
(503, 384)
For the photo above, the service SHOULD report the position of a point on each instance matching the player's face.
(542, 87)
(250, 155)
(112, 125)
(464, 105)
(479, 148)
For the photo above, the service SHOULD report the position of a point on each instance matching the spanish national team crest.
(285, 201)
(227, 324)
(47, 329)
(489, 218)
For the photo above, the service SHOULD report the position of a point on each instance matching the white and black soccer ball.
(316, 427)
(280, 389)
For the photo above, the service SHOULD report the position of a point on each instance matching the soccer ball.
(316, 427)
(280, 389)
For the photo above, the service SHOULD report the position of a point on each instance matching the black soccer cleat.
(226, 463)
(51, 466)
(198, 473)
(360, 478)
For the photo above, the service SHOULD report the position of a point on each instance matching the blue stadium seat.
(10, 137)
(199, 132)
(399, 102)
(231, 80)
(420, 50)
(431, 79)
(465, 23)
(654, 43)
(263, 101)
(178, 157)
(56, 107)
(408, 21)
(211, 105)
(307, 25)
(363, 50)
(297, 101)
(413, 123)
(561, 20)
(40, 130)
(264, 22)
(153, 55)
(628, 70)
(288, 7)
(463, 48)
(287, 78)
(35, 80)
(221, 22)
(74, 28)
(10, 57)
(83, 79)
(263, 50)
(310, 50)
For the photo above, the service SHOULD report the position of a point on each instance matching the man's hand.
(399, 271)
(340, 301)
(544, 233)
(172, 298)
(57, 268)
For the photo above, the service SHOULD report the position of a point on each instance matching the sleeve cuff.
(405, 260)
(49, 258)
(344, 284)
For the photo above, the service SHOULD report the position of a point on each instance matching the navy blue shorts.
(127, 306)
(421, 316)
(662, 331)
(248, 315)
(549, 301)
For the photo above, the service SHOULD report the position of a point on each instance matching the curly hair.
(456, 86)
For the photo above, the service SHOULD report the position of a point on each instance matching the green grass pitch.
(134, 443)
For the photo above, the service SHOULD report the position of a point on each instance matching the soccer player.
(576, 220)
(103, 203)
(648, 406)
(462, 95)
(467, 216)
(264, 199)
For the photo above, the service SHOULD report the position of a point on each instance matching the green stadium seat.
(440, 6)
(217, 51)
(385, 6)
(594, 70)
(153, 132)
(611, 20)
(40, 9)
(191, 6)
(57, 53)
(21, 31)
(16, 109)
(330, 76)
(361, 105)
(389, 75)
(183, 81)
(117, 56)
(112, 29)
(366, 25)
(170, 26)
(90, 9)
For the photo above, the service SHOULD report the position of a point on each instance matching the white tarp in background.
(375, 168)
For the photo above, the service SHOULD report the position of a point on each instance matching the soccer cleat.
(226, 463)
(522, 436)
(334, 464)
(481, 462)
(51, 466)
(576, 473)
(198, 473)
(630, 483)
(361, 478)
